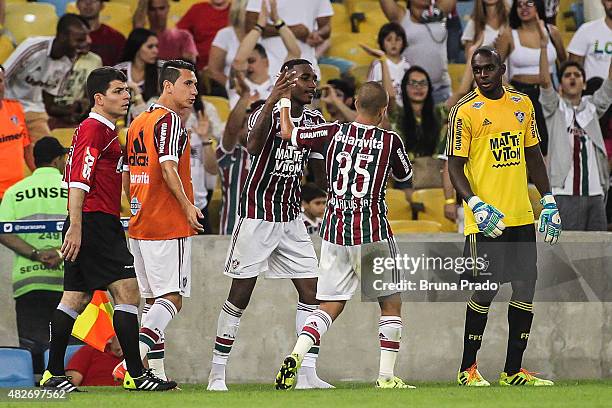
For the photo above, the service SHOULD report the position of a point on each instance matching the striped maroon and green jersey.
(358, 161)
(233, 170)
(273, 191)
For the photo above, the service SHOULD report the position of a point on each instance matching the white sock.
(390, 334)
(155, 357)
(154, 324)
(303, 311)
(315, 326)
(227, 329)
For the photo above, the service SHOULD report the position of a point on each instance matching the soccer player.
(94, 248)
(269, 237)
(492, 144)
(164, 216)
(359, 158)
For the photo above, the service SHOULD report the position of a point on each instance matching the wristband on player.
(259, 27)
(285, 103)
(279, 24)
(450, 201)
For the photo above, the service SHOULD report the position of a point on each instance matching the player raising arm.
(359, 158)
(492, 144)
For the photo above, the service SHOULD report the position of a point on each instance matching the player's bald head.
(372, 98)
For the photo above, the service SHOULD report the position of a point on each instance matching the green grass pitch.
(584, 394)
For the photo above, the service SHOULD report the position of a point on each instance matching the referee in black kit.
(94, 246)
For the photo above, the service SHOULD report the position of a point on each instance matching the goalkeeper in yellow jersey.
(493, 144)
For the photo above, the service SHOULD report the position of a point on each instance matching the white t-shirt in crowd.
(593, 41)
(293, 13)
(264, 89)
(490, 33)
(427, 48)
(396, 71)
(30, 69)
(227, 40)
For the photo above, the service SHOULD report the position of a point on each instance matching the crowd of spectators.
(238, 47)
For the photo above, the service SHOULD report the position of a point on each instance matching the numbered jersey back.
(359, 159)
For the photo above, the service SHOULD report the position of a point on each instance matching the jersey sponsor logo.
(520, 116)
(137, 155)
(88, 163)
(478, 105)
(506, 149)
(486, 122)
(404, 160)
(15, 119)
(458, 133)
(119, 168)
(313, 135)
(135, 205)
(361, 143)
(10, 138)
(235, 263)
(142, 178)
(289, 161)
(516, 99)
(162, 136)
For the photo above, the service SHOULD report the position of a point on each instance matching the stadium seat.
(70, 350)
(534, 197)
(221, 104)
(340, 21)
(115, 14)
(132, 3)
(456, 73)
(60, 5)
(25, 20)
(16, 367)
(398, 207)
(360, 73)
(6, 48)
(214, 211)
(178, 10)
(328, 72)
(64, 135)
(412, 226)
(347, 46)
(432, 202)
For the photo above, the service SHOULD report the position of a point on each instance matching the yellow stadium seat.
(221, 104)
(178, 10)
(412, 226)
(133, 4)
(63, 135)
(115, 14)
(456, 73)
(432, 200)
(567, 37)
(25, 20)
(535, 197)
(328, 72)
(398, 207)
(347, 46)
(360, 73)
(340, 22)
(6, 48)
(214, 211)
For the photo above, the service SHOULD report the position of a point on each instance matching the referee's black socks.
(62, 322)
(125, 322)
(475, 323)
(520, 316)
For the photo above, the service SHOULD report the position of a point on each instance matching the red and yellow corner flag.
(95, 325)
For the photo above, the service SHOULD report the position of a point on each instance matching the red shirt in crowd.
(95, 367)
(203, 21)
(108, 43)
(95, 164)
(174, 43)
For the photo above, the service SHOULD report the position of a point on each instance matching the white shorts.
(162, 267)
(340, 270)
(278, 249)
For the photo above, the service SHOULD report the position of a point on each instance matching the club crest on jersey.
(235, 263)
(520, 116)
(516, 99)
(135, 206)
(478, 105)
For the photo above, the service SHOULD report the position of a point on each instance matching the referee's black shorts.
(510, 257)
(104, 256)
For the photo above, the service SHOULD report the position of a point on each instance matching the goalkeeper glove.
(550, 221)
(488, 218)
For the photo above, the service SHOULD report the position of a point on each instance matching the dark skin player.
(301, 83)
